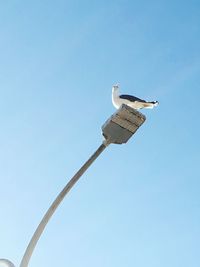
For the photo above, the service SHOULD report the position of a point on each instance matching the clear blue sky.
(139, 204)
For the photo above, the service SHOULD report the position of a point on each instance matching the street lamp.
(117, 130)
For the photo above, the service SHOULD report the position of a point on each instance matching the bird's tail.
(151, 104)
(155, 103)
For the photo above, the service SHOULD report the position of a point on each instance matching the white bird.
(129, 100)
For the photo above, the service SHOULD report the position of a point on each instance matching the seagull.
(129, 100)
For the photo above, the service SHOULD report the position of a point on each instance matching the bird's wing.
(131, 98)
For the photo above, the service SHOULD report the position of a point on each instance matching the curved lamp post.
(117, 130)
(6, 263)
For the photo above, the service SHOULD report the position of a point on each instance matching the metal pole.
(6, 263)
(117, 130)
(29, 251)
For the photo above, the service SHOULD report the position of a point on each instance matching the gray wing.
(131, 98)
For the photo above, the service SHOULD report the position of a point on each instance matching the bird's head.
(115, 88)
